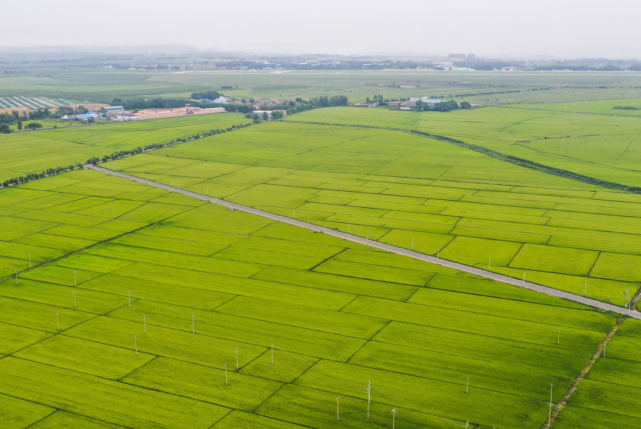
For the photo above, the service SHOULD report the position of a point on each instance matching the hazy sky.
(565, 28)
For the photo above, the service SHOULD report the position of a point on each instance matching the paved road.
(387, 247)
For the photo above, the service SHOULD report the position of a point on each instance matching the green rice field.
(36, 151)
(138, 307)
(163, 296)
(411, 191)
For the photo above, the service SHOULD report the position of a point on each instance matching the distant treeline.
(209, 95)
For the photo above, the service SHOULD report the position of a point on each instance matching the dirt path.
(563, 402)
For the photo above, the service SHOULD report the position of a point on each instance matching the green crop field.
(588, 138)
(35, 151)
(486, 87)
(126, 305)
(409, 191)
(163, 297)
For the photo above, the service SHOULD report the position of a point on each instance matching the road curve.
(394, 249)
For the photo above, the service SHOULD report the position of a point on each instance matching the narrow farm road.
(383, 246)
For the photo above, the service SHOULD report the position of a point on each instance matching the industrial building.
(178, 111)
(112, 109)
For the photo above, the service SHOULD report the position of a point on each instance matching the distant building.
(112, 109)
(122, 116)
(430, 101)
(82, 117)
(509, 69)
(471, 57)
(179, 111)
(457, 56)
(411, 103)
(221, 100)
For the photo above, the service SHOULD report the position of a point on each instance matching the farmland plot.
(203, 317)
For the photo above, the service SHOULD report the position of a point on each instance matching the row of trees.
(211, 95)
(444, 106)
(33, 176)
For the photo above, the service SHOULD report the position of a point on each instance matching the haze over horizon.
(565, 29)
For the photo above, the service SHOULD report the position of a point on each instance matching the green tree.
(465, 105)
(256, 118)
(34, 125)
(277, 115)
(19, 124)
(5, 128)
(265, 116)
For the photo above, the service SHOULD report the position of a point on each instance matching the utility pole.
(17, 278)
(338, 417)
(550, 412)
(369, 396)
(394, 417)
(129, 299)
(558, 340)
(74, 298)
(236, 359)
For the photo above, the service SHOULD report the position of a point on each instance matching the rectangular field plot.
(489, 325)
(18, 414)
(85, 356)
(103, 399)
(306, 317)
(299, 340)
(243, 392)
(15, 337)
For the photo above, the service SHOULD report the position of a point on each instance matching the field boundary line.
(386, 247)
(564, 400)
